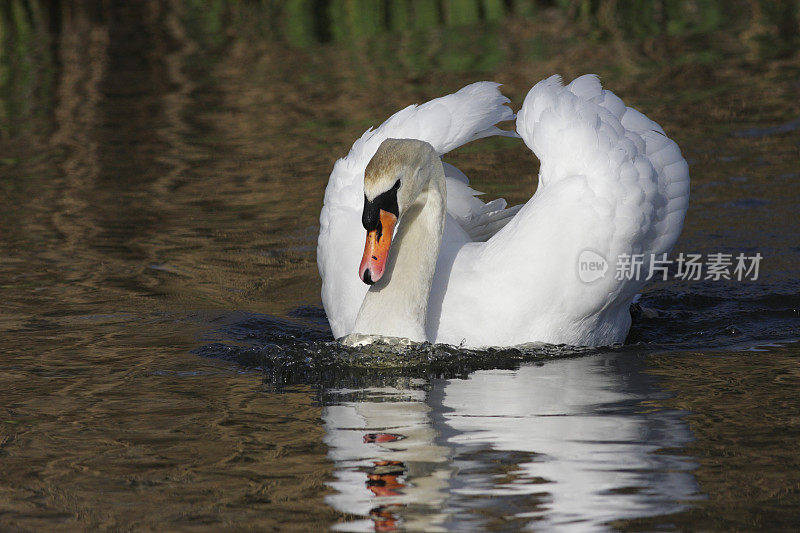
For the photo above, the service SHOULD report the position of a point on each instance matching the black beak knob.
(368, 277)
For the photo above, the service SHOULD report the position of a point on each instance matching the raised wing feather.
(627, 158)
(672, 171)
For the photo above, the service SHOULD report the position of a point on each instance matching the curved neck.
(397, 305)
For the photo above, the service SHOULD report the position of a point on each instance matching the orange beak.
(376, 249)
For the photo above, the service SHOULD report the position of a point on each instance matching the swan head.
(393, 179)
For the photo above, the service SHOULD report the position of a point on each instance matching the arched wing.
(611, 184)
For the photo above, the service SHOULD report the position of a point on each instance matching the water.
(166, 361)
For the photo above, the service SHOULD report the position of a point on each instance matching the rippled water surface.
(166, 363)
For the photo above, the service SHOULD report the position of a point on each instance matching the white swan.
(446, 268)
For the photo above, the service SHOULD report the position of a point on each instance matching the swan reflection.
(573, 443)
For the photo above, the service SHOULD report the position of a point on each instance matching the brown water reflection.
(127, 432)
(160, 171)
(746, 420)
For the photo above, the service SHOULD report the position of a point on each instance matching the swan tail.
(479, 220)
(483, 225)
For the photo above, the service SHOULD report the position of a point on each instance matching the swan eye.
(396, 185)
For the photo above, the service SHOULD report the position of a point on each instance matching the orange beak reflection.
(376, 249)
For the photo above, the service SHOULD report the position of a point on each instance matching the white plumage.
(610, 182)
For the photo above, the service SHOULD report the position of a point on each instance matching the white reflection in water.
(570, 444)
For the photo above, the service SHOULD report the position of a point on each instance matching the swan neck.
(397, 305)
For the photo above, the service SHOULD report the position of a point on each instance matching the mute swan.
(441, 266)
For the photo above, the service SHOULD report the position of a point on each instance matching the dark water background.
(165, 361)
